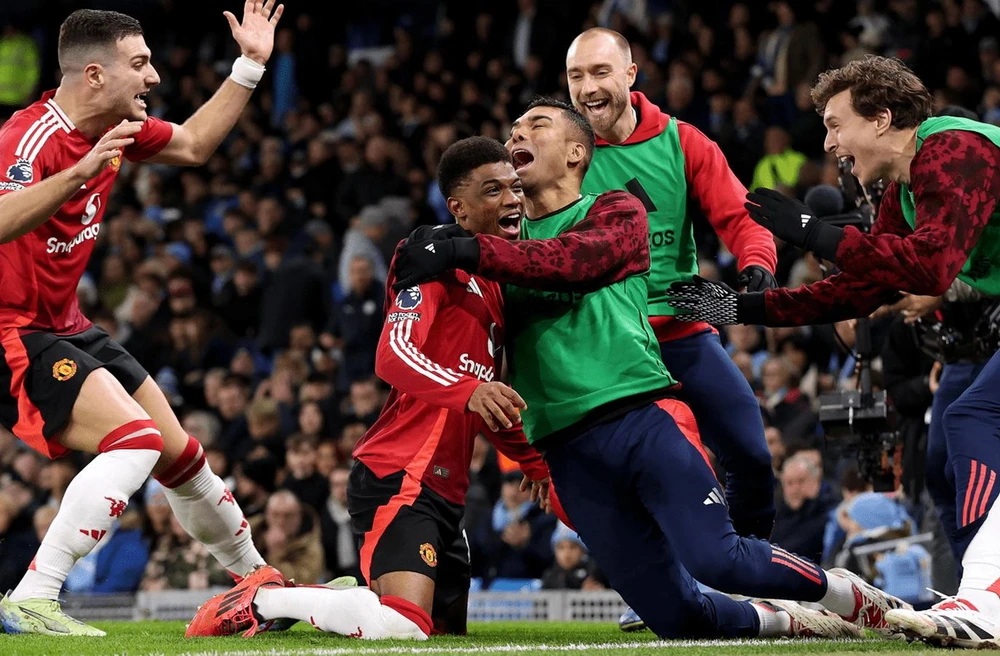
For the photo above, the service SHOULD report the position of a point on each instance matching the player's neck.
(623, 127)
(87, 118)
(541, 202)
(903, 146)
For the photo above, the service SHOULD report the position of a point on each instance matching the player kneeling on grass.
(69, 386)
(440, 349)
(623, 449)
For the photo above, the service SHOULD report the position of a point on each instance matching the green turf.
(495, 637)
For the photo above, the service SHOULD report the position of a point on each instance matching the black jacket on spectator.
(292, 295)
(312, 490)
(358, 321)
(241, 313)
(500, 560)
(801, 531)
(905, 374)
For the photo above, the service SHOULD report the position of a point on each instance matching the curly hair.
(463, 157)
(876, 84)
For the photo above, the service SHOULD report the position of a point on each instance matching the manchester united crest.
(116, 162)
(64, 369)
(429, 554)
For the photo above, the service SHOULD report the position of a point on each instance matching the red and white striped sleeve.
(400, 359)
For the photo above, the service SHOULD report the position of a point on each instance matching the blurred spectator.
(573, 568)
(302, 480)
(339, 547)
(515, 542)
(802, 509)
(20, 69)
(356, 322)
(288, 537)
(779, 168)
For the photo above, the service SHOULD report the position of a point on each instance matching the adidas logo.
(714, 497)
(806, 218)
(430, 247)
(473, 287)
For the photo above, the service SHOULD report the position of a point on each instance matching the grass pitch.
(548, 638)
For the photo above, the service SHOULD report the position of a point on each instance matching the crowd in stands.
(252, 288)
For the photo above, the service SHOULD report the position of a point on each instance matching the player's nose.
(153, 78)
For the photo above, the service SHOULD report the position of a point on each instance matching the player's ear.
(577, 152)
(456, 207)
(883, 121)
(94, 75)
(630, 74)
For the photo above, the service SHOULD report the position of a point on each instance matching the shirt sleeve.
(151, 139)
(955, 180)
(610, 244)
(400, 359)
(842, 296)
(721, 196)
(512, 443)
(21, 164)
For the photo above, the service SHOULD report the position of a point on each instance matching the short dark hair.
(877, 83)
(585, 132)
(85, 28)
(465, 156)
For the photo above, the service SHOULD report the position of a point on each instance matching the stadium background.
(251, 288)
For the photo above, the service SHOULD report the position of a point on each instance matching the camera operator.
(937, 221)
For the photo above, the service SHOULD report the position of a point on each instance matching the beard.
(603, 123)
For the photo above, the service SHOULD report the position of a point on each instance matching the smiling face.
(489, 201)
(543, 147)
(600, 73)
(855, 138)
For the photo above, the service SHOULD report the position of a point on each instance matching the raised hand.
(792, 221)
(255, 34)
(715, 303)
(107, 148)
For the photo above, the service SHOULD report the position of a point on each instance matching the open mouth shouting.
(522, 159)
(510, 224)
(140, 99)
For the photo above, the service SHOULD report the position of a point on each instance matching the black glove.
(715, 303)
(756, 279)
(438, 232)
(793, 221)
(418, 261)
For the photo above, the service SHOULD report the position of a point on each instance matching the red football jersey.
(39, 271)
(440, 341)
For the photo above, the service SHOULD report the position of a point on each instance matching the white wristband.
(246, 72)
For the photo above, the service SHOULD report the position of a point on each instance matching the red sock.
(410, 611)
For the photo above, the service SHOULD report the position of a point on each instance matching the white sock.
(95, 497)
(839, 596)
(354, 612)
(981, 567)
(773, 624)
(206, 509)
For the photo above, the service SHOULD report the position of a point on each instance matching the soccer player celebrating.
(68, 386)
(938, 221)
(440, 349)
(624, 453)
(668, 164)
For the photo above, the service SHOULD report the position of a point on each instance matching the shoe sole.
(632, 627)
(914, 629)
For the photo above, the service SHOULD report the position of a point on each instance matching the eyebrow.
(498, 181)
(533, 119)
(143, 56)
(829, 118)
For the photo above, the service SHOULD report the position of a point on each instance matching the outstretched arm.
(195, 141)
(610, 244)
